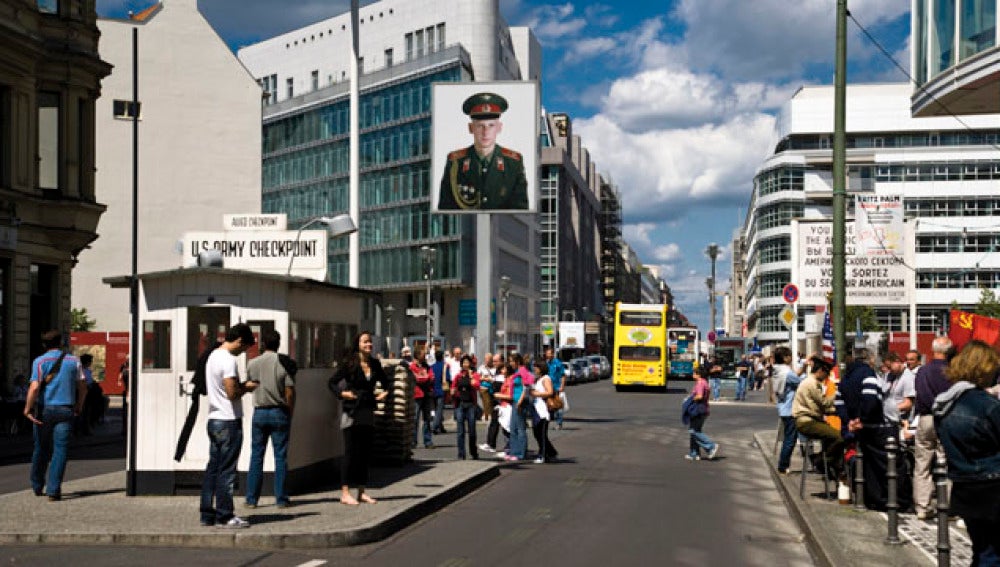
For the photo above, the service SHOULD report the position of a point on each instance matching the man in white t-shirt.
(225, 428)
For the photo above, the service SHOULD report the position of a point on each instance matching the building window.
(388, 58)
(156, 345)
(361, 65)
(942, 48)
(4, 134)
(420, 43)
(429, 33)
(409, 46)
(290, 86)
(49, 142)
(440, 36)
(127, 110)
(48, 6)
(315, 80)
(979, 27)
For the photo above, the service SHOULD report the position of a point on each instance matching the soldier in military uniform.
(484, 176)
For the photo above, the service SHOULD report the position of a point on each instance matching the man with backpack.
(59, 387)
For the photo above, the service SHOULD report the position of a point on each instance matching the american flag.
(829, 347)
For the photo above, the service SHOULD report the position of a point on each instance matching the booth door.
(202, 325)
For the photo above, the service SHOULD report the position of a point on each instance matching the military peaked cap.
(484, 105)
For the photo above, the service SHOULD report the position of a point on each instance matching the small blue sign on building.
(467, 312)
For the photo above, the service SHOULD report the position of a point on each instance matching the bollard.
(859, 480)
(892, 505)
(941, 484)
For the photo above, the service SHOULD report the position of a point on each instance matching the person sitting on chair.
(809, 408)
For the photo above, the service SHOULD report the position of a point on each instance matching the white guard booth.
(183, 311)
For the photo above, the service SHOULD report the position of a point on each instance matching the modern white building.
(405, 46)
(946, 170)
(199, 148)
(955, 57)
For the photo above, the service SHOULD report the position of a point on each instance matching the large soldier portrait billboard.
(484, 140)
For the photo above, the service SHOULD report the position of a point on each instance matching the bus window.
(642, 353)
(646, 319)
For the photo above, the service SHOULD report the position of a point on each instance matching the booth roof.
(124, 281)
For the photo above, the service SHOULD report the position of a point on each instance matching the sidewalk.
(95, 510)
(839, 536)
(109, 432)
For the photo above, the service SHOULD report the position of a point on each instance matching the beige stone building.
(50, 78)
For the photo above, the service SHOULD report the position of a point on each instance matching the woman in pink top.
(700, 394)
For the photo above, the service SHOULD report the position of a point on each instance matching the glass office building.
(306, 173)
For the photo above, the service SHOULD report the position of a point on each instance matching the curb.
(821, 551)
(364, 534)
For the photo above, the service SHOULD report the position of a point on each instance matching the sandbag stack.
(395, 418)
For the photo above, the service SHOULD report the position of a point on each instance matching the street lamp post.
(713, 252)
(388, 328)
(337, 226)
(429, 254)
(504, 294)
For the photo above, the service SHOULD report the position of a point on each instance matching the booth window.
(156, 345)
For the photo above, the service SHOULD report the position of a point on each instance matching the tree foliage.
(988, 305)
(80, 322)
(869, 322)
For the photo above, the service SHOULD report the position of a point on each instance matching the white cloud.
(672, 98)
(553, 23)
(588, 48)
(667, 253)
(766, 38)
(638, 234)
(662, 172)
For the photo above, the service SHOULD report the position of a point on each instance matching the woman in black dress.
(354, 384)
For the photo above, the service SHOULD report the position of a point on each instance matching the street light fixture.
(340, 225)
(504, 294)
(429, 255)
(713, 253)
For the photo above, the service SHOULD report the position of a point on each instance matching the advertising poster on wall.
(878, 224)
(485, 147)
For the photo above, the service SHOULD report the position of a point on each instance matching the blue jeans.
(698, 439)
(438, 424)
(423, 410)
(51, 444)
(716, 384)
(273, 423)
(225, 438)
(466, 417)
(985, 541)
(518, 434)
(787, 442)
(741, 387)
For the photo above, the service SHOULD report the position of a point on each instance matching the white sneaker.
(539, 461)
(501, 454)
(486, 447)
(234, 523)
(692, 457)
(713, 452)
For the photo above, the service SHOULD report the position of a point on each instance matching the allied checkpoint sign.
(259, 243)
(884, 280)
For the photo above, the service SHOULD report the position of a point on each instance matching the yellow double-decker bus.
(640, 353)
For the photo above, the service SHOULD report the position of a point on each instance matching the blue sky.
(675, 99)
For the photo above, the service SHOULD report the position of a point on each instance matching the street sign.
(416, 312)
(787, 317)
(790, 293)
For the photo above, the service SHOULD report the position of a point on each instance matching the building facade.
(946, 171)
(405, 47)
(199, 148)
(50, 78)
(955, 57)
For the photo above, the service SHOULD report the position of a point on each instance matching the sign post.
(790, 293)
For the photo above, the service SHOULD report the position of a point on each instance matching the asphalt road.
(622, 495)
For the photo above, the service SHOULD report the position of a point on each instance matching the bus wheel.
(619, 387)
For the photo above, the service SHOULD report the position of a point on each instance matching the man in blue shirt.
(58, 379)
(556, 372)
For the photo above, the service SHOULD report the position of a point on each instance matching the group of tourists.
(509, 393)
(947, 407)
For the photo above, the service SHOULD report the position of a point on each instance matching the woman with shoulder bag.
(354, 385)
(699, 397)
(522, 381)
(464, 392)
(542, 392)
